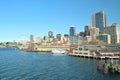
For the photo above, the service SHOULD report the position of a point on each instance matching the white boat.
(58, 51)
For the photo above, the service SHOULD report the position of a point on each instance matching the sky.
(20, 18)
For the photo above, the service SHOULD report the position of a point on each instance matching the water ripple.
(17, 65)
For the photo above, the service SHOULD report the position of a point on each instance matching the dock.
(94, 57)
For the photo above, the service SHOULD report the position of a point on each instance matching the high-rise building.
(99, 20)
(114, 31)
(87, 30)
(73, 38)
(72, 31)
(31, 38)
(50, 34)
(31, 46)
(91, 31)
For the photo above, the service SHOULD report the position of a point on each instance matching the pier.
(94, 57)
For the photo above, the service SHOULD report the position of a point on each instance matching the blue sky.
(20, 18)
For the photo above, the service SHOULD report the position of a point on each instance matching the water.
(19, 65)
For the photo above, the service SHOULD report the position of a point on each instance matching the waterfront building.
(114, 31)
(104, 37)
(83, 52)
(99, 20)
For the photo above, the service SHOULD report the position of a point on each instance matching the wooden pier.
(94, 57)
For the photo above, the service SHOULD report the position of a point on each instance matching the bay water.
(19, 65)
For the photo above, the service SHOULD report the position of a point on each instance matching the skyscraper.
(73, 37)
(114, 31)
(31, 47)
(72, 31)
(50, 34)
(99, 20)
(31, 38)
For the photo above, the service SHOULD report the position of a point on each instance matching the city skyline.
(37, 17)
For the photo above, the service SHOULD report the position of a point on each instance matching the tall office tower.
(50, 34)
(87, 30)
(31, 38)
(73, 37)
(72, 31)
(58, 36)
(31, 47)
(99, 20)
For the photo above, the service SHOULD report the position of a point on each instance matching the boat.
(58, 51)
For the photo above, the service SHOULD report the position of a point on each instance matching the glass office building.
(99, 20)
(72, 31)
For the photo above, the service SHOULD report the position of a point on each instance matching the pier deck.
(94, 57)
